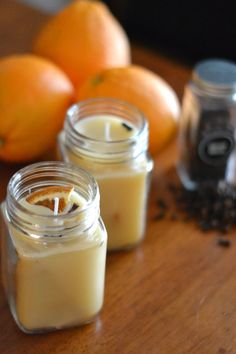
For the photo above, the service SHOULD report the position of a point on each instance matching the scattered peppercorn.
(174, 216)
(159, 216)
(161, 203)
(224, 243)
(211, 206)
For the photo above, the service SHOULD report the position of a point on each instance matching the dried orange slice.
(48, 196)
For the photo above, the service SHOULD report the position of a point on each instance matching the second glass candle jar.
(109, 138)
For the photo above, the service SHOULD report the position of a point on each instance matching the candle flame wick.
(56, 206)
(107, 131)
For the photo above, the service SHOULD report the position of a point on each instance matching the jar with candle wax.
(109, 138)
(53, 247)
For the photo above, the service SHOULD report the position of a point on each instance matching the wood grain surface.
(174, 294)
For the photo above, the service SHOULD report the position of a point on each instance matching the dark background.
(187, 30)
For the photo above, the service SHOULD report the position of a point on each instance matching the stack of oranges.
(81, 53)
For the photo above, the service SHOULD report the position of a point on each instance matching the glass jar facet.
(121, 165)
(207, 125)
(53, 267)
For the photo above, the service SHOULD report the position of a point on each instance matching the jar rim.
(20, 214)
(215, 76)
(127, 105)
(112, 149)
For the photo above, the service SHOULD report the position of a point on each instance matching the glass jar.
(109, 138)
(53, 266)
(207, 125)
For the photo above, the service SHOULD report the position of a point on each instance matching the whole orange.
(83, 39)
(34, 96)
(144, 89)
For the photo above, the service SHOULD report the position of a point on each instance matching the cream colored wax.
(123, 185)
(58, 284)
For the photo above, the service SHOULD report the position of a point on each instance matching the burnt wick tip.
(127, 126)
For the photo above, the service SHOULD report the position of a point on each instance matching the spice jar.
(207, 125)
(53, 247)
(109, 138)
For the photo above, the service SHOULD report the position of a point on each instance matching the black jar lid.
(215, 73)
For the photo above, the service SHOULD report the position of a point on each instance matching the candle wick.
(56, 205)
(107, 131)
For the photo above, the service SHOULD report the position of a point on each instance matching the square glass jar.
(109, 138)
(53, 266)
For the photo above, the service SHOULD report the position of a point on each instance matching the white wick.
(56, 205)
(107, 131)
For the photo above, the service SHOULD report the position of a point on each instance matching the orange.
(46, 197)
(34, 96)
(144, 89)
(83, 39)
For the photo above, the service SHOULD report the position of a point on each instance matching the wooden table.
(174, 294)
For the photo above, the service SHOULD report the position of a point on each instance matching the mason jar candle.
(53, 247)
(109, 138)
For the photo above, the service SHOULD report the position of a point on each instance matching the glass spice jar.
(53, 263)
(109, 138)
(207, 125)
